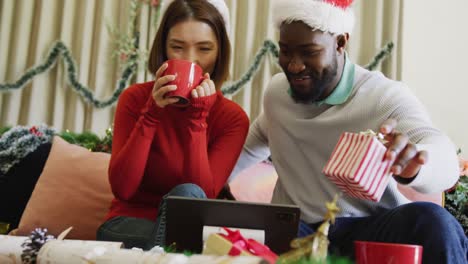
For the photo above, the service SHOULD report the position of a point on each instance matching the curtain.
(28, 30)
(377, 23)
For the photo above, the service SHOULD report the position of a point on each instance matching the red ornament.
(123, 56)
(340, 3)
(33, 130)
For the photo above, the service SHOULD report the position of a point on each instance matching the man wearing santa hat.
(320, 95)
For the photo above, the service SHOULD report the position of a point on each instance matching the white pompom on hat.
(334, 16)
(220, 5)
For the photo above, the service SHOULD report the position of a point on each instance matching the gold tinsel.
(314, 246)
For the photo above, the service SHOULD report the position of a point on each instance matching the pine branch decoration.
(268, 46)
(383, 53)
(17, 143)
(60, 48)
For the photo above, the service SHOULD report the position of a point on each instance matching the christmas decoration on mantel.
(130, 55)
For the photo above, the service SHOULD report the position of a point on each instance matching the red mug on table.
(188, 75)
(387, 253)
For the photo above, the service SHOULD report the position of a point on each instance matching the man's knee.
(430, 216)
(188, 190)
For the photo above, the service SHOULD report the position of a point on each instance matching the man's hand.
(407, 161)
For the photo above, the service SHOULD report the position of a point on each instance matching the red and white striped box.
(357, 167)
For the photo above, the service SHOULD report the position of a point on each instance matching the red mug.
(387, 253)
(188, 76)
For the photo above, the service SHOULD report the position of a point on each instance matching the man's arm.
(424, 158)
(255, 148)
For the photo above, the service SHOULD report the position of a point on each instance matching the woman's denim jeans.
(143, 233)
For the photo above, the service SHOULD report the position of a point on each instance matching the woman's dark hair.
(200, 10)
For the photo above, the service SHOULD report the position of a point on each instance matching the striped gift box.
(356, 166)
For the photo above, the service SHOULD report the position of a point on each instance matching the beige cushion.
(416, 196)
(73, 190)
(255, 184)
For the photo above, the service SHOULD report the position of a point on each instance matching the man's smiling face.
(309, 60)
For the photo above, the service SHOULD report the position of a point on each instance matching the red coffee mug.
(188, 76)
(387, 253)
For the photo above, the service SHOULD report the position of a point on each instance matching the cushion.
(17, 185)
(73, 190)
(415, 196)
(260, 180)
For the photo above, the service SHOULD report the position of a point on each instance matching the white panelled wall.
(435, 62)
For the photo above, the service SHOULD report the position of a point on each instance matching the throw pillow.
(73, 190)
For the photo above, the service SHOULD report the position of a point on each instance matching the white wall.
(435, 62)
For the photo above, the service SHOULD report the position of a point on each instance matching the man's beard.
(318, 84)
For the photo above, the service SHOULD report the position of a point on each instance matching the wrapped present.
(357, 165)
(234, 244)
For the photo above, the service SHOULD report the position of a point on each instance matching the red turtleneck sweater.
(155, 149)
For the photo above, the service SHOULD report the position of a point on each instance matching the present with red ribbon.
(234, 244)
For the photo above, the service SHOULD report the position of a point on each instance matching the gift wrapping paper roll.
(356, 166)
(97, 252)
(11, 249)
(100, 255)
(75, 251)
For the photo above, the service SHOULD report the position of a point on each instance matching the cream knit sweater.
(301, 137)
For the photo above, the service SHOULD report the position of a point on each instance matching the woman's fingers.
(194, 93)
(200, 91)
(160, 82)
(160, 98)
(206, 88)
(160, 71)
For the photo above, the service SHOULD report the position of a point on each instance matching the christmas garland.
(384, 53)
(456, 202)
(87, 94)
(18, 142)
(268, 46)
(59, 48)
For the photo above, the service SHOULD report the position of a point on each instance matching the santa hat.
(220, 5)
(334, 16)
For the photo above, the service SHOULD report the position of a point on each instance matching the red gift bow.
(239, 243)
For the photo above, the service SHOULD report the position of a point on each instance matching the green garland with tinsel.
(456, 202)
(268, 46)
(18, 142)
(87, 94)
(59, 48)
(383, 53)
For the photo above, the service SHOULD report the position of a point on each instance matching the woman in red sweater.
(161, 150)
